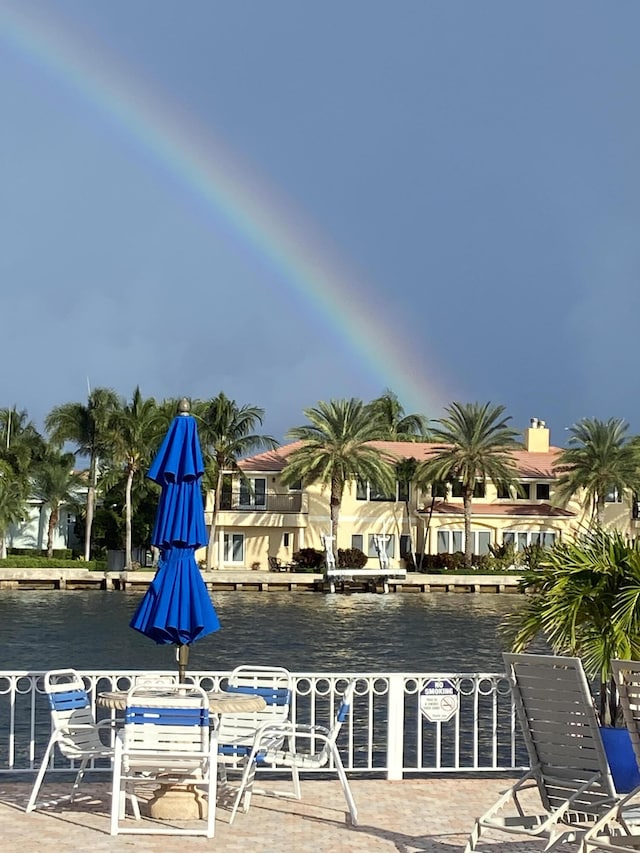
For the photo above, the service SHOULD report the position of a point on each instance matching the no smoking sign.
(439, 700)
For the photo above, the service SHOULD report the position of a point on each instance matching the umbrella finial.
(184, 406)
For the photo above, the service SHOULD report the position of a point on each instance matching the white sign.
(439, 700)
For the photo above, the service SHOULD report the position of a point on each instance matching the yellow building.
(262, 518)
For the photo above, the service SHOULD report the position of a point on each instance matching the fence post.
(395, 727)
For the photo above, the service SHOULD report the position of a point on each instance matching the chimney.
(536, 437)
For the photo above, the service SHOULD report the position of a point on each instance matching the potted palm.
(580, 599)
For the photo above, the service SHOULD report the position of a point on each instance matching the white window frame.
(457, 535)
(250, 485)
(525, 538)
(230, 540)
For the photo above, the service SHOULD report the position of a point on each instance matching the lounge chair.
(74, 728)
(568, 764)
(619, 829)
(322, 751)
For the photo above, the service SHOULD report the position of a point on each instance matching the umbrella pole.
(182, 654)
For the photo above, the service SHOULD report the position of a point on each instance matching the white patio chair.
(167, 738)
(74, 728)
(267, 752)
(568, 764)
(619, 829)
(236, 732)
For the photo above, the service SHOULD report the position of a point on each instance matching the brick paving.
(428, 814)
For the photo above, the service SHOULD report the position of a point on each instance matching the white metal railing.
(387, 732)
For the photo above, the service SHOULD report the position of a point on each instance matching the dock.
(263, 581)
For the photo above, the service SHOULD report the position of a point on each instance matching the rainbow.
(262, 220)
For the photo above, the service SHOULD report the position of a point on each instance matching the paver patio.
(429, 814)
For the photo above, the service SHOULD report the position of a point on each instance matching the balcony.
(286, 503)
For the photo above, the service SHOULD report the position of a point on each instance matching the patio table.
(185, 802)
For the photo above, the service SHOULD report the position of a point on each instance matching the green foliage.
(309, 558)
(599, 457)
(504, 556)
(37, 561)
(476, 446)
(579, 600)
(351, 558)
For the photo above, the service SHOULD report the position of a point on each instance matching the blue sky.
(461, 180)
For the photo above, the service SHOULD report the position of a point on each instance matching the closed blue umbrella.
(176, 607)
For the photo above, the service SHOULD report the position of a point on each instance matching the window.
(234, 548)
(543, 491)
(450, 541)
(357, 541)
(524, 492)
(367, 492)
(478, 489)
(503, 492)
(253, 492)
(285, 540)
(405, 544)
(521, 539)
(389, 540)
(613, 496)
(296, 486)
(404, 491)
(438, 490)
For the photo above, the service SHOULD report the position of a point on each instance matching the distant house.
(31, 533)
(262, 518)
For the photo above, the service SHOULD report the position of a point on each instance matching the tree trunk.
(468, 541)
(412, 550)
(91, 503)
(128, 547)
(335, 501)
(212, 551)
(3, 546)
(53, 520)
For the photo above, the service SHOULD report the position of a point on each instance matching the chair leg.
(43, 769)
(353, 811)
(212, 790)
(117, 792)
(295, 778)
(79, 778)
(245, 787)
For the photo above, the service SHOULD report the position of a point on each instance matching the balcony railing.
(285, 503)
(388, 732)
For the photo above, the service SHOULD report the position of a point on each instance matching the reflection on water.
(441, 632)
(304, 632)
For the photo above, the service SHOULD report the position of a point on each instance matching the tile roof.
(528, 465)
(515, 509)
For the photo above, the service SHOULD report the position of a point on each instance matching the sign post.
(439, 700)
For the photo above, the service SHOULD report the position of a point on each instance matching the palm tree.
(14, 493)
(476, 447)
(20, 442)
(336, 447)
(599, 458)
(227, 433)
(55, 483)
(406, 474)
(396, 425)
(583, 599)
(132, 438)
(86, 427)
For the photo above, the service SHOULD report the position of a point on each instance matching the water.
(442, 632)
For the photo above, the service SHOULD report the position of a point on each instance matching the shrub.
(351, 558)
(308, 558)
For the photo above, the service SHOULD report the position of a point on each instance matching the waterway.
(441, 632)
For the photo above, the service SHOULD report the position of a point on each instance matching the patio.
(427, 814)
